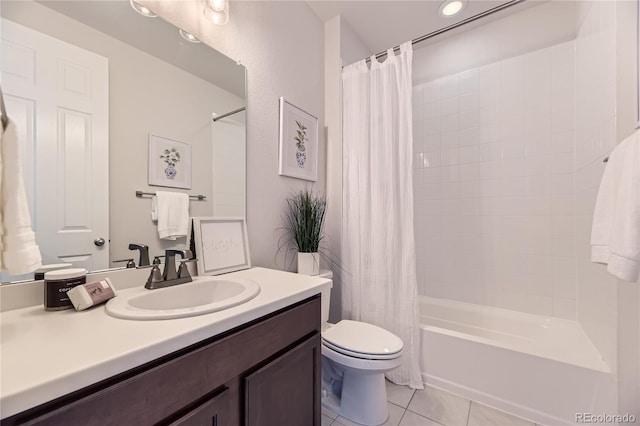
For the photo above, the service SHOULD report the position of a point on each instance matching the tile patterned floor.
(433, 407)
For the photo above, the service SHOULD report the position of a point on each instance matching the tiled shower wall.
(595, 139)
(494, 184)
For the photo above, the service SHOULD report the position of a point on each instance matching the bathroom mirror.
(117, 78)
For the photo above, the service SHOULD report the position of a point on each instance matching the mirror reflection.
(87, 83)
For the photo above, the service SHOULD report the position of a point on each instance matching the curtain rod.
(453, 26)
(235, 111)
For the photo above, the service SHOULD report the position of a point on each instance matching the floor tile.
(399, 395)
(481, 415)
(326, 421)
(412, 419)
(441, 406)
(395, 414)
(329, 413)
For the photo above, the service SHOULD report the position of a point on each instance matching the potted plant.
(303, 221)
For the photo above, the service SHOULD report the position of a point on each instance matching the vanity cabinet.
(266, 372)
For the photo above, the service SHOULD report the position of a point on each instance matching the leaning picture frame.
(221, 244)
(298, 142)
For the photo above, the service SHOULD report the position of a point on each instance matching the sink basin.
(202, 296)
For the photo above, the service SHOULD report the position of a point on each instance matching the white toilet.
(355, 356)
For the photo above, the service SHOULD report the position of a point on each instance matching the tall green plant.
(304, 217)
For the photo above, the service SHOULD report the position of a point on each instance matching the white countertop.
(45, 355)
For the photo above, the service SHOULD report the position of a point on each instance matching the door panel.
(66, 164)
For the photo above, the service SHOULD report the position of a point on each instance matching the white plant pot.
(308, 263)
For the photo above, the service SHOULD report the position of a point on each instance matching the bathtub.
(539, 368)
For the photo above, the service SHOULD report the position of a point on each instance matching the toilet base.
(363, 399)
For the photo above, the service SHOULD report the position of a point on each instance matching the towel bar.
(199, 197)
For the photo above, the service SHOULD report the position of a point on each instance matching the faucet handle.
(130, 262)
(154, 277)
(183, 269)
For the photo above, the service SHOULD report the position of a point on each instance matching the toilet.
(355, 357)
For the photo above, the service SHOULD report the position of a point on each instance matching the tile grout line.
(469, 412)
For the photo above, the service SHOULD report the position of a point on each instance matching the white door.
(58, 96)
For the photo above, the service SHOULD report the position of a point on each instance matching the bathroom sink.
(202, 296)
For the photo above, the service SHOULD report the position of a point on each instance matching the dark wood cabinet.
(213, 412)
(280, 393)
(264, 373)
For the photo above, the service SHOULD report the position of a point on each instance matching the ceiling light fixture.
(451, 8)
(142, 10)
(217, 11)
(188, 36)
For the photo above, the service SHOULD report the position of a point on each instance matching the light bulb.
(218, 17)
(144, 11)
(451, 7)
(188, 36)
(217, 5)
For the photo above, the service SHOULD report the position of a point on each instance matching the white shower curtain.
(378, 248)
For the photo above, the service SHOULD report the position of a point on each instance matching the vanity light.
(451, 7)
(142, 10)
(188, 36)
(217, 11)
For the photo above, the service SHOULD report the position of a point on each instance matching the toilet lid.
(362, 338)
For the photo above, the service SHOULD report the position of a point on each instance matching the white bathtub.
(539, 368)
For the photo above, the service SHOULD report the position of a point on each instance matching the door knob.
(99, 242)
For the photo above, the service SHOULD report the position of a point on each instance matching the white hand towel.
(19, 252)
(615, 235)
(171, 210)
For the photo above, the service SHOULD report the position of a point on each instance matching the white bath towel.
(19, 252)
(171, 210)
(615, 235)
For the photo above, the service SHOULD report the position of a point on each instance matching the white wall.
(281, 44)
(341, 46)
(139, 103)
(628, 293)
(471, 46)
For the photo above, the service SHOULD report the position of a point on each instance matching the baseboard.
(527, 413)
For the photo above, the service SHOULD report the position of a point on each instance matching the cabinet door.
(286, 391)
(213, 412)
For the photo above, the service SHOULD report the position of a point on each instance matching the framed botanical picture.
(298, 142)
(221, 244)
(169, 163)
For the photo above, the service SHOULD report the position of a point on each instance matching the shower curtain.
(378, 248)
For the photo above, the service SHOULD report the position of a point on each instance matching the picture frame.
(298, 142)
(221, 244)
(169, 162)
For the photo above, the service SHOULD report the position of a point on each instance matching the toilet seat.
(359, 355)
(361, 340)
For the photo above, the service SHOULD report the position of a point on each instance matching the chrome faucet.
(170, 276)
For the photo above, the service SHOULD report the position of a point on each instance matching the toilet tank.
(325, 296)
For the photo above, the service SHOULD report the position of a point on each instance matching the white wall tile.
(469, 118)
(497, 186)
(469, 101)
(469, 136)
(469, 81)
